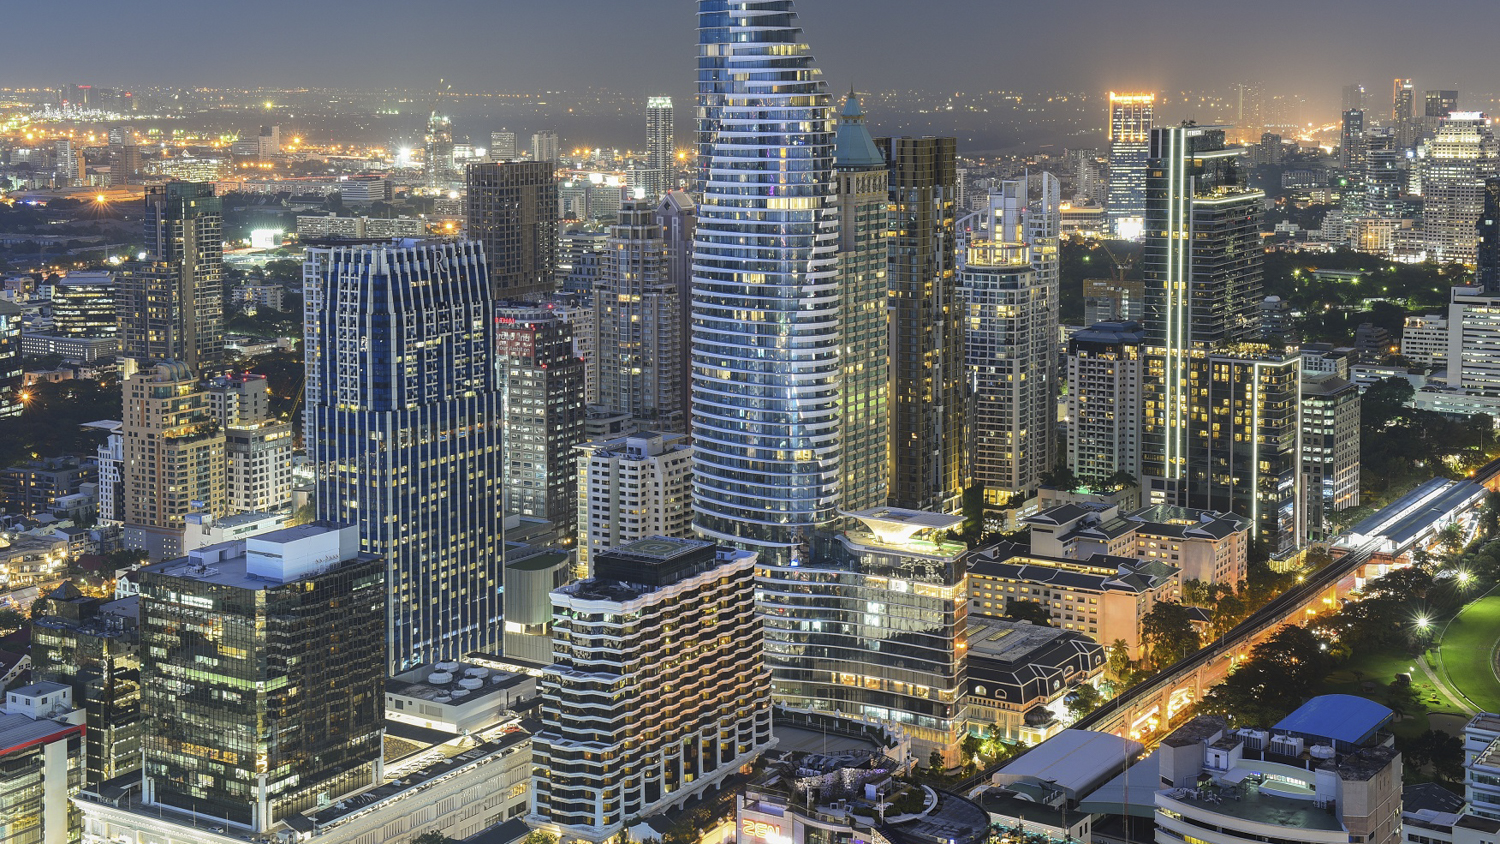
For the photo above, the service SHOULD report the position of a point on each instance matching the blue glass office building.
(404, 429)
(765, 297)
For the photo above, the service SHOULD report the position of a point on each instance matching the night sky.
(1311, 47)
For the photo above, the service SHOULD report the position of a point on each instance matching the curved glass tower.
(765, 296)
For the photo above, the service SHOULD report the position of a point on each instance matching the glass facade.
(260, 696)
(765, 299)
(875, 630)
(404, 430)
(30, 803)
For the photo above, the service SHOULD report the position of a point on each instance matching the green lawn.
(1380, 668)
(1468, 650)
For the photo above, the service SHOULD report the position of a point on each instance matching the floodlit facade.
(1130, 121)
(404, 432)
(1221, 415)
(651, 712)
(765, 333)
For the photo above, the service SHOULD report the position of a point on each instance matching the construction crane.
(1122, 268)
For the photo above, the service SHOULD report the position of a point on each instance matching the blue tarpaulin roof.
(1344, 718)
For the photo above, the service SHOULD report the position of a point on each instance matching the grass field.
(1468, 650)
(1379, 668)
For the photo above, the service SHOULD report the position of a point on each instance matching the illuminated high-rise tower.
(765, 283)
(1010, 292)
(1222, 418)
(660, 143)
(1454, 164)
(437, 160)
(931, 444)
(864, 347)
(404, 432)
(1403, 112)
(1130, 120)
(171, 307)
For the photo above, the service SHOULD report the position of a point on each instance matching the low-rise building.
(1208, 546)
(1424, 340)
(1103, 596)
(1019, 675)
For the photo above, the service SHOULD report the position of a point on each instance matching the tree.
(1169, 633)
(1279, 675)
(1061, 477)
(537, 836)
(11, 619)
(1083, 700)
(1119, 664)
(1020, 609)
(970, 746)
(435, 837)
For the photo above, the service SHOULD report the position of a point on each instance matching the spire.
(854, 149)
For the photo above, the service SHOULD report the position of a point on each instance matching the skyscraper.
(765, 293)
(1487, 249)
(864, 348)
(83, 305)
(1352, 142)
(677, 215)
(1222, 415)
(1385, 176)
(544, 147)
(637, 359)
(437, 159)
(1130, 121)
(174, 458)
(1354, 97)
(171, 307)
(1454, 166)
(503, 146)
(262, 678)
(661, 144)
(1105, 369)
(404, 432)
(929, 401)
(1403, 112)
(1009, 289)
(511, 210)
(1438, 104)
(541, 383)
(11, 370)
(631, 487)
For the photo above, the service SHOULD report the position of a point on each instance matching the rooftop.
(896, 526)
(18, 731)
(1262, 807)
(1073, 760)
(443, 683)
(1346, 718)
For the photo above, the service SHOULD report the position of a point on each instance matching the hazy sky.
(1307, 46)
